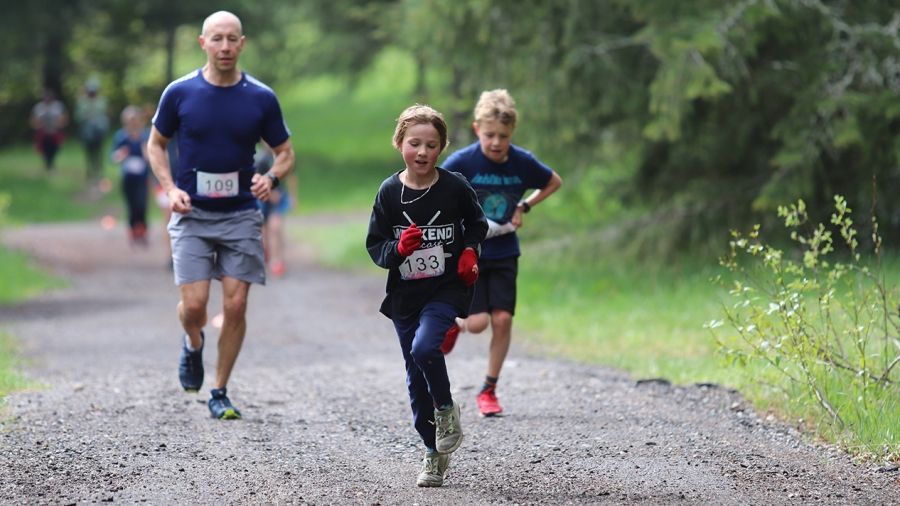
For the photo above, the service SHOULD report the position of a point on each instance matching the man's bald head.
(221, 17)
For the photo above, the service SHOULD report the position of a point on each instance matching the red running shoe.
(450, 339)
(487, 402)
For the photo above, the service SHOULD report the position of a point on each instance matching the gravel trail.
(326, 419)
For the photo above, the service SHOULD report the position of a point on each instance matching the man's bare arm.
(179, 201)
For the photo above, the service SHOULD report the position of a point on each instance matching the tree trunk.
(462, 104)
(421, 89)
(53, 63)
(170, 53)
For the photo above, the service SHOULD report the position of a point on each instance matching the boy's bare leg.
(501, 329)
(276, 239)
(475, 323)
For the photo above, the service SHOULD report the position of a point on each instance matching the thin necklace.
(403, 186)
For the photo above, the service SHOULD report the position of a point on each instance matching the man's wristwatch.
(274, 178)
(525, 206)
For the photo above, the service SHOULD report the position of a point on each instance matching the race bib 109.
(217, 185)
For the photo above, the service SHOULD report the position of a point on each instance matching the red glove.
(410, 240)
(467, 269)
(450, 339)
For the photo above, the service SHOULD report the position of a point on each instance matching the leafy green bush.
(824, 322)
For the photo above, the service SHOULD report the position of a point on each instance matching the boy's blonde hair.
(498, 105)
(416, 115)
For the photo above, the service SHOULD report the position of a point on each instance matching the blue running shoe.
(220, 407)
(190, 366)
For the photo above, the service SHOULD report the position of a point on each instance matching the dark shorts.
(496, 286)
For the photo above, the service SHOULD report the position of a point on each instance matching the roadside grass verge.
(340, 244)
(20, 278)
(646, 320)
(38, 196)
(872, 415)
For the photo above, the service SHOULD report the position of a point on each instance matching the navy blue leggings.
(426, 371)
(135, 189)
(49, 148)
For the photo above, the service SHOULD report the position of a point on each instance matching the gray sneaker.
(448, 430)
(434, 470)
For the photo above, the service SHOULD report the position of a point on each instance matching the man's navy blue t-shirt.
(218, 128)
(500, 187)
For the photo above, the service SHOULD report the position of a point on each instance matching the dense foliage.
(680, 119)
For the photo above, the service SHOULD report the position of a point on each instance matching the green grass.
(20, 279)
(340, 244)
(61, 195)
(872, 425)
(646, 320)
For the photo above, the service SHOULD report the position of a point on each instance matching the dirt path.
(321, 385)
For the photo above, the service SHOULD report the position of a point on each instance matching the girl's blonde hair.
(498, 105)
(416, 115)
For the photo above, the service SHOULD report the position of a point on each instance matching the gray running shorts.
(208, 245)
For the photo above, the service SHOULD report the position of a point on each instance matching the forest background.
(671, 123)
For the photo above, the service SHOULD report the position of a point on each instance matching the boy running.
(501, 173)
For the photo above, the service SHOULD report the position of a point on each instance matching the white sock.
(461, 323)
(187, 343)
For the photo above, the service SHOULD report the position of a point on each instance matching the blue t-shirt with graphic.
(218, 128)
(500, 187)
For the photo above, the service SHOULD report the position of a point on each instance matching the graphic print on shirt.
(429, 260)
(498, 206)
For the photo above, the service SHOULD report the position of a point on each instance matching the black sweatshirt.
(449, 216)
